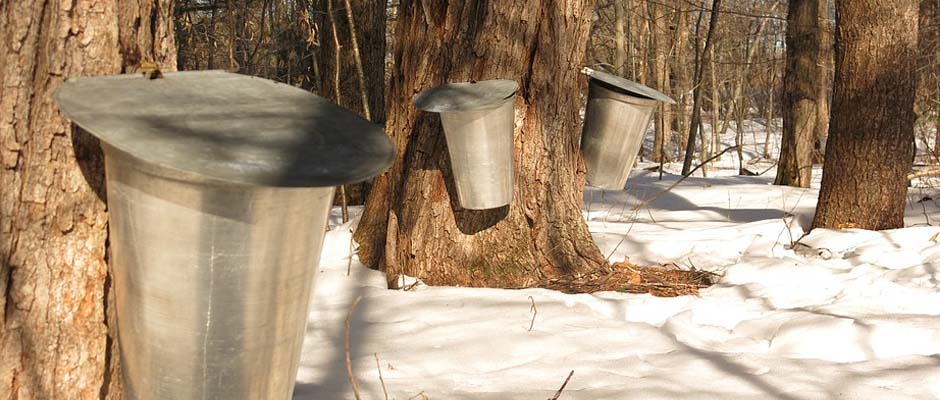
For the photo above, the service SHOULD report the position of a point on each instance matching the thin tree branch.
(562, 388)
(349, 371)
(688, 174)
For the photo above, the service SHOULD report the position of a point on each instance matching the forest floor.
(847, 314)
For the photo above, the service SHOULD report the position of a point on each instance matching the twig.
(676, 183)
(535, 311)
(349, 371)
(769, 168)
(924, 207)
(379, 368)
(336, 92)
(558, 393)
(344, 203)
(351, 253)
(359, 72)
(421, 393)
(922, 173)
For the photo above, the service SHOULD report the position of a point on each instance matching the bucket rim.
(627, 86)
(466, 96)
(228, 127)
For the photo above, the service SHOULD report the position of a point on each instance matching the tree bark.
(542, 233)
(928, 89)
(620, 37)
(870, 146)
(56, 330)
(800, 94)
(682, 76)
(823, 79)
(660, 77)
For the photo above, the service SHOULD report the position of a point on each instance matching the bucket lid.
(229, 127)
(466, 96)
(628, 85)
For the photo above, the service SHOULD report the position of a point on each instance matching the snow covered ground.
(843, 315)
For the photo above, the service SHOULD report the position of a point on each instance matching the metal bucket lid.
(466, 96)
(229, 127)
(628, 85)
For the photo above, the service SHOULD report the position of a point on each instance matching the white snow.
(848, 314)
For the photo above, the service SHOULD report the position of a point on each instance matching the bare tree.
(870, 146)
(800, 93)
(412, 224)
(823, 80)
(701, 60)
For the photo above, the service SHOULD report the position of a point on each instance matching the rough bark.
(660, 77)
(620, 37)
(870, 146)
(55, 331)
(800, 94)
(927, 42)
(682, 75)
(542, 233)
(823, 79)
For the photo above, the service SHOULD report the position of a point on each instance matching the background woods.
(657, 43)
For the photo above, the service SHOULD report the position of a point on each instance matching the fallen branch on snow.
(562, 388)
(349, 371)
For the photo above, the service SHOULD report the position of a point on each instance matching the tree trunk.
(769, 112)
(57, 325)
(642, 43)
(660, 75)
(620, 37)
(928, 90)
(683, 84)
(800, 95)
(700, 62)
(715, 113)
(824, 76)
(870, 146)
(542, 233)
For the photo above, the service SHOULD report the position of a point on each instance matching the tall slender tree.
(870, 147)
(823, 80)
(701, 59)
(800, 93)
(412, 224)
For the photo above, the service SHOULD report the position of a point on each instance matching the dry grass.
(661, 281)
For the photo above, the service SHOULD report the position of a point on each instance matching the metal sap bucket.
(219, 188)
(615, 121)
(478, 124)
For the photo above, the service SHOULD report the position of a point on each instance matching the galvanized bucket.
(219, 188)
(478, 125)
(615, 121)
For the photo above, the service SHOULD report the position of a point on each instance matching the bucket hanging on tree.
(219, 188)
(615, 121)
(478, 125)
